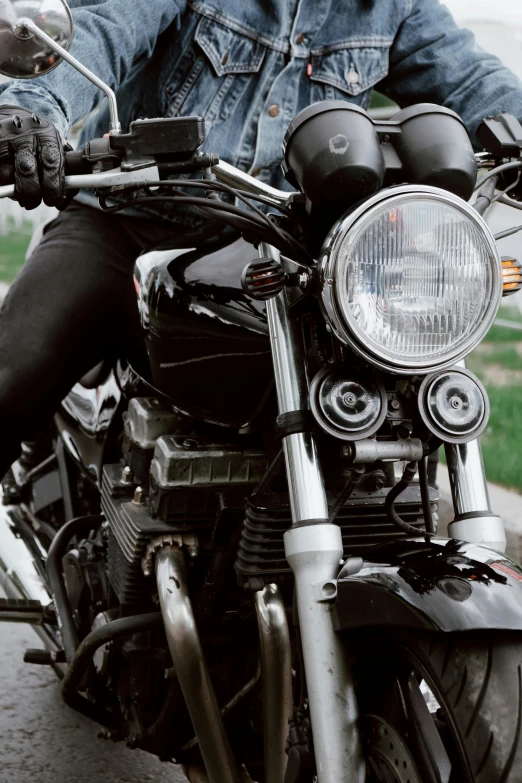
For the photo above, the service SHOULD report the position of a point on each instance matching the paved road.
(43, 741)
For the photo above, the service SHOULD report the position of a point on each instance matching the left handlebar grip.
(75, 163)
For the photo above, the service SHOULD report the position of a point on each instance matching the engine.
(177, 479)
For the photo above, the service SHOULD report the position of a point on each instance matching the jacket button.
(352, 77)
(300, 38)
(274, 110)
(256, 172)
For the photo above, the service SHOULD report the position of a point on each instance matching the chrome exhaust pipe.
(18, 574)
(276, 675)
(19, 577)
(190, 667)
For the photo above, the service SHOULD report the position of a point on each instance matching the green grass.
(498, 364)
(506, 355)
(501, 441)
(503, 334)
(12, 253)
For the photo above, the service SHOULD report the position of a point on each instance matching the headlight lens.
(412, 280)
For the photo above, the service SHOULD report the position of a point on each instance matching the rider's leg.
(67, 307)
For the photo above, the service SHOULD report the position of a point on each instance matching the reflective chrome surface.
(329, 274)
(19, 576)
(470, 495)
(22, 54)
(469, 491)
(191, 669)
(238, 179)
(314, 553)
(305, 481)
(289, 371)
(468, 481)
(276, 674)
(27, 28)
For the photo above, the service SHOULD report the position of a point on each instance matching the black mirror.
(24, 55)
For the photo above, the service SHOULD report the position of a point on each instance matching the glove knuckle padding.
(27, 181)
(33, 147)
(51, 171)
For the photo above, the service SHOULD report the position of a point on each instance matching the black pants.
(69, 306)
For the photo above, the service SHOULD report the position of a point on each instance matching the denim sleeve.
(433, 60)
(110, 35)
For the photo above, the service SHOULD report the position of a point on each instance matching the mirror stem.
(27, 25)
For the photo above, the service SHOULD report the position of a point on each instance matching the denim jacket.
(248, 67)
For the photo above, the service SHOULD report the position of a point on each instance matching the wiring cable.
(245, 220)
(407, 477)
(246, 198)
(496, 171)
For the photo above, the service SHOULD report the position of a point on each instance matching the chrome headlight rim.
(330, 279)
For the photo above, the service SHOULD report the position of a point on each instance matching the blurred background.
(498, 360)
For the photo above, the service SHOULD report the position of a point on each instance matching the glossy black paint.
(84, 420)
(433, 584)
(207, 342)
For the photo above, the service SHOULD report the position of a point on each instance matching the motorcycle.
(231, 553)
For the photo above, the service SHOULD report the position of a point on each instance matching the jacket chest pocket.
(349, 73)
(213, 72)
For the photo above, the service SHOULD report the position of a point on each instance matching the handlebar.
(140, 177)
(80, 176)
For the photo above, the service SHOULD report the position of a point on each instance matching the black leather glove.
(31, 155)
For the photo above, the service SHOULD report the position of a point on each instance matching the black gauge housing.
(337, 155)
(331, 151)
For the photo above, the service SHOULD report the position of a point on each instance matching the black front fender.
(433, 584)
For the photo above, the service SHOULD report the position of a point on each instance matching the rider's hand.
(31, 155)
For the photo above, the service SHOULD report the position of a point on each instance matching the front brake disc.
(388, 755)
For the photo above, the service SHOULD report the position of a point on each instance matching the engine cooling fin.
(363, 522)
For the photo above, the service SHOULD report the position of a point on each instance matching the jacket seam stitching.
(210, 13)
(354, 43)
(352, 90)
(285, 47)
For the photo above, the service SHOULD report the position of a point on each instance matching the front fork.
(314, 551)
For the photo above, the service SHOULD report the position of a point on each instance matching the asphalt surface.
(43, 741)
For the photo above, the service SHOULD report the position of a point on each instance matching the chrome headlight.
(411, 279)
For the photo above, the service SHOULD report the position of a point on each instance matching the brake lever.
(113, 179)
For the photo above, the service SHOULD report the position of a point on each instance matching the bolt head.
(127, 475)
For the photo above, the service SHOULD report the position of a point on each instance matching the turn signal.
(263, 279)
(511, 275)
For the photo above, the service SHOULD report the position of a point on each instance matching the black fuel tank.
(207, 341)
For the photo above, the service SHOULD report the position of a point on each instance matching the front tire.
(473, 730)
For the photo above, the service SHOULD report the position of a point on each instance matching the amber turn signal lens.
(511, 275)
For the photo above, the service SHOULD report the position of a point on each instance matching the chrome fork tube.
(474, 519)
(307, 495)
(276, 675)
(314, 550)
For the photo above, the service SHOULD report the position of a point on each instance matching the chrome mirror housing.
(23, 54)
